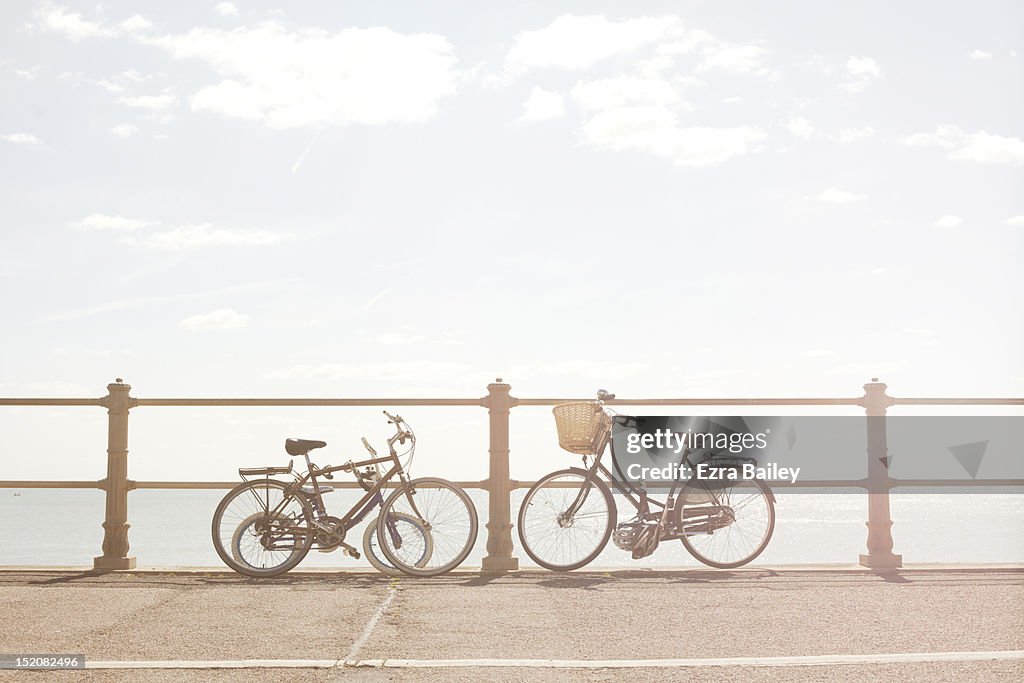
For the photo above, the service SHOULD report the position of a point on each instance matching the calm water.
(172, 528)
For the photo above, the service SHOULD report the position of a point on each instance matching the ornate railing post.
(880, 555)
(499, 487)
(115, 525)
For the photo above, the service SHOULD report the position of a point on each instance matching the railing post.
(880, 555)
(499, 487)
(115, 525)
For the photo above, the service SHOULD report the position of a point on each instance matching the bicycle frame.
(358, 511)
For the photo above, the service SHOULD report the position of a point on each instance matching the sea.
(51, 527)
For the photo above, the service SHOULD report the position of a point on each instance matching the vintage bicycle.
(264, 526)
(567, 517)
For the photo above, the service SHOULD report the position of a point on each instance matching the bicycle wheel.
(438, 507)
(726, 526)
(560, 541)
(407, 525)
(259, 529)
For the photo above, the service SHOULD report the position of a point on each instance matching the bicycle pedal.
(353, 553)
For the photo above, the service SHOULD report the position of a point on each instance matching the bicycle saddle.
(302, 446)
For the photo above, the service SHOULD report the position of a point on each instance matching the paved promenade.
(759, 624)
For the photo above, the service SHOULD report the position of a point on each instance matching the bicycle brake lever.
(328, 475)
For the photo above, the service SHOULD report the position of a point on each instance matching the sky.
(664, 199)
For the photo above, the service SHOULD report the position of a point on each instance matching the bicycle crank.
(330, 534)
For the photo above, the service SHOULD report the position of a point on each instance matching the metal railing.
(498, 485)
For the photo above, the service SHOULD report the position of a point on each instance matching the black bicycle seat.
(302, 446)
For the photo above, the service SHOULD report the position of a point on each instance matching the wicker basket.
(582, 426)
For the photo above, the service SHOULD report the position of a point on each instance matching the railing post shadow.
(115, 524)
(499, 487)
(879, 543)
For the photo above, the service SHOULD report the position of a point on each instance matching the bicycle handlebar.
(393, 418)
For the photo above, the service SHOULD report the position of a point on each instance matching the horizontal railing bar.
(958, 401)
(101, 484)
(956, 482)
(245, 402)
(699, 401)
(52, 402)
(232, 484)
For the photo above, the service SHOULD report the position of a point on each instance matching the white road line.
(809, 660)
(350, 658)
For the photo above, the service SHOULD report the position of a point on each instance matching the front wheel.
(405, 526)
(726, 526)
(440, 508)
(566, 519)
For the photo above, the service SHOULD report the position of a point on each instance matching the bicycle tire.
(548, 523)
(751, 549)
(255, 509)
(372, 550)
(452, 542)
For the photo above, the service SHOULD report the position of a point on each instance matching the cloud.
(398, 338)
(980, 147)
(21, 139)
(405, 371)
(543, 105)
(850, 135)
(573, 42)
(69, 24)
(135, 23)
(124, 130)
(151, 102)
(221, 319)
(618, 91)
(948, 221)
(205, 235)
(655, 130)
(979, 55)
(288, 79)
(860, 72)
(742, 59)
(227, 9)
(801, 128)
(1015, 220)
(102, 221)
(833, 195)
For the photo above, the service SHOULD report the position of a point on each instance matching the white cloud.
(861, 72)
(1015, 220)
(310, 77)
(979, 147)
(948, 221)
(69, 24)
(21, 138)
(978, 55)
(102, 221)
(833, 195)
(29, 74)
(742, 59)
(221, 319)
(850, 135)
(655, 130)
(205, 235)
(135, 23)
(151, 102)
(398, 338)
(542, 105)
(801, 128)
(227, 9)
(406, 371)
(124, 130)
(623, 90)
(576, 42)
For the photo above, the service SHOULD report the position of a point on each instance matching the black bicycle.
(265, 527)
(568, 516)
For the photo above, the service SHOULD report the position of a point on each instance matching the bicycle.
(265, 527)
(567, 517)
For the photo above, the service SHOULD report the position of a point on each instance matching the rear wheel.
(561, 539)
(726, 526)
(260, 529)
(404, 525)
